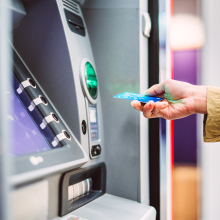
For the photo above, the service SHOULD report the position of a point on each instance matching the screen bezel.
(58, 158)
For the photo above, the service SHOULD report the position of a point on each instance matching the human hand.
(181, 99)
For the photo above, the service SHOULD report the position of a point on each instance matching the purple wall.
(185, 135)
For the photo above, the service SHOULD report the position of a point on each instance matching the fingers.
(155, 90)
(137, 105)
(159, 106)
(147, 108)
(150, 109)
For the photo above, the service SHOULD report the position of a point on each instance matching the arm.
(211, 127)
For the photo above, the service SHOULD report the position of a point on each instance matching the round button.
(98, 149)
(32, 83)
(66, 134)
(55, 117)
(83, 125)
(91, 80)
(43, 100)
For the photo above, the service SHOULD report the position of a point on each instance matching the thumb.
(155, 90)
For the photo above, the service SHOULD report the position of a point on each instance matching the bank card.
(138, 97)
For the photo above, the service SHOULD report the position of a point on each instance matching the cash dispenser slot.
(80, 187)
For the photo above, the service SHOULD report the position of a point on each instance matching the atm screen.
(26, 136)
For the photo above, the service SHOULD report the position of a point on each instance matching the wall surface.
(210, 76)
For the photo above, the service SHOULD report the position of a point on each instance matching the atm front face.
(62, 165)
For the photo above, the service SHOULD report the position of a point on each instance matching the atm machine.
(76, 152)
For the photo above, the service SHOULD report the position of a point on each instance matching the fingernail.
(149, 104)
(132, 104)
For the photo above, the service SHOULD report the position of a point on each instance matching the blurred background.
(194, 42)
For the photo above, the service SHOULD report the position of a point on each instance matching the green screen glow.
(91, 80)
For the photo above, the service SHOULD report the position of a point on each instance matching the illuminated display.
(92, 112)
(26, 137)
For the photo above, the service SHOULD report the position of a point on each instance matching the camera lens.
(32, 83)
(55, 117)
(66, 134)
(43, 100)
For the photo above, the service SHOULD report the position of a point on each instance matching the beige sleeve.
(211, 123)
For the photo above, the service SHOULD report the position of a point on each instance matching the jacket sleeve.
(211, 123)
